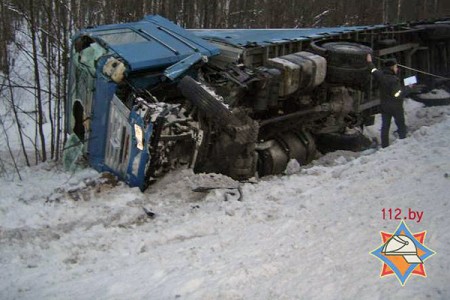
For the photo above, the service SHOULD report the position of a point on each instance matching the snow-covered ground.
(301, 236)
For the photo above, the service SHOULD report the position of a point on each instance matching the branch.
(27, 88)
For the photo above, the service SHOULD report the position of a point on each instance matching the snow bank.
(305, 235)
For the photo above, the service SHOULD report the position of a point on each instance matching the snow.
(213, 93)
(303, 235)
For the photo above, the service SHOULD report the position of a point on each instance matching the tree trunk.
(37, 79)
(50, 56)
(385, 11)
(18, 122)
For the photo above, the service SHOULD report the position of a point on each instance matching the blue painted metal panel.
(104, 91)
(183, 35)
(266, 37)
(138, 158)
(152, 43)
(182, 66)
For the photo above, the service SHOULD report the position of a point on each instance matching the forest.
(35, 46)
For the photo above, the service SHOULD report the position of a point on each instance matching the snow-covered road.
(301, 236)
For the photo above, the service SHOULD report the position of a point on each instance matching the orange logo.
(403, 253)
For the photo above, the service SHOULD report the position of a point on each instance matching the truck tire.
(317, 49)
(206, 102)
(348, 75)
(346, 61)
(347, 54)
(340, 53)
(436, 97)
(354, 141)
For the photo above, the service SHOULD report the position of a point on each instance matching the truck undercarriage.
(245, 106)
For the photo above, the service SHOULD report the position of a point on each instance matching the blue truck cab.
(104, 59)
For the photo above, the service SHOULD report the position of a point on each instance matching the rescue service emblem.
(403, 253)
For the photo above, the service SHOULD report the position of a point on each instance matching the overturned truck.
(149, 96)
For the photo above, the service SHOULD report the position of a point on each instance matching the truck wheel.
(347, 54)
(346, 61)
(341, 53)
(212, 107)
(318, 49)
(436, 97)
(348, 75)
(354, 141)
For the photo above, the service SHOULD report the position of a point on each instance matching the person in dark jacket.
(391, 97)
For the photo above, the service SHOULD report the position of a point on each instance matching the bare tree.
(33, 27)
(51, 23)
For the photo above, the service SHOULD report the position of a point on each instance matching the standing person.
(391, 97)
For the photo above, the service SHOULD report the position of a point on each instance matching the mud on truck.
(149, 96)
